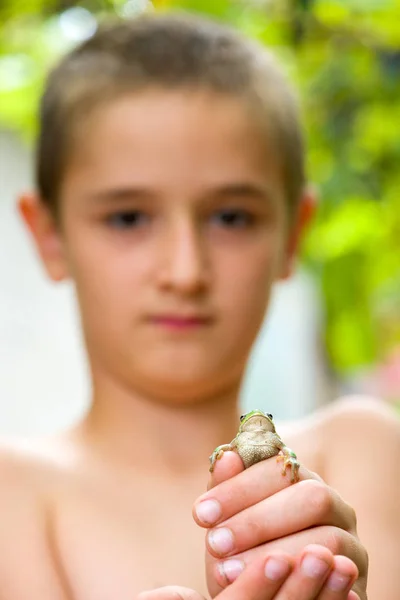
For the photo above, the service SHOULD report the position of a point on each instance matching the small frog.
(257, 440)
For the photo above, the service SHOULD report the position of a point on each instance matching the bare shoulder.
(368, 428)
(19, 470)
(32, 473)
(357, 432)
(26, 478)
(362, 448)
(20, 498)
(29, 463)
(354, 444)
(362, 410)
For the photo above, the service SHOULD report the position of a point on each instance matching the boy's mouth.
(177, 321)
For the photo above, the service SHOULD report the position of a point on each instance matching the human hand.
(257, 511)
(278, 576)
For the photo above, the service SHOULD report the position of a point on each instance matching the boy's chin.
(183, 386)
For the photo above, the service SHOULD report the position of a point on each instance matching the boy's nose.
(183, 263)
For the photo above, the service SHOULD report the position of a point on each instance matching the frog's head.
(257, 420)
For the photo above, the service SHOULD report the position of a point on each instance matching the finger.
(293, 509)
(234, 489)
(339, 542)
(170, 592)
(305, 580)
(340, 580)
(227, 466)
(308, 578)
(336, 540)
(353, 596)
(261, 580)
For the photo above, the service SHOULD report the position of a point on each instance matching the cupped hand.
(279, 576)
(251, 513)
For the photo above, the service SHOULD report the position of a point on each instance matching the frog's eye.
(242, 417)
(270, 416)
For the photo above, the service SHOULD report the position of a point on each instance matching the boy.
(171, 189)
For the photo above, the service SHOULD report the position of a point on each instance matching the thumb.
(170, 592)
(227, 466)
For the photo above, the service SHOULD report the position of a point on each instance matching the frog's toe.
(216, 455)
(294, 470)
(291, 462)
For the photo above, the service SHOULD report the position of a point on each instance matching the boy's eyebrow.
(256, 191)
(245, 189)
(123, 193)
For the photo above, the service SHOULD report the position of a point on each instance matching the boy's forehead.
(184, 115)
(157, 122)
(156, 133)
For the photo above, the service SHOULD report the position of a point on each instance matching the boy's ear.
(305, 212)
(46, 234)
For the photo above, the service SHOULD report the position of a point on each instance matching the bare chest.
(116, 547)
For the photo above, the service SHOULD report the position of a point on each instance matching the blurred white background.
(43, 377)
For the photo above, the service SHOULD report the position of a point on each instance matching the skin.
(103, 510)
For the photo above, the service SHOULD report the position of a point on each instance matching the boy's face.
(174, 228)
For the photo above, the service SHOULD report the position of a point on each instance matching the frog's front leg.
(218, 452)
(289, 459)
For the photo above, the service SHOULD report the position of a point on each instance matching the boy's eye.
(127, 219)
(233, 218)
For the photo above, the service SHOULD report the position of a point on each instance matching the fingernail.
(231, 569)
(276, 568)
(208, 511)
(221, 540)
(313, 567)
(337, 582)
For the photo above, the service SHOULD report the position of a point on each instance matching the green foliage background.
(344, 56)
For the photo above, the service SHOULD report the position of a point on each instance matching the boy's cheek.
(248, 290)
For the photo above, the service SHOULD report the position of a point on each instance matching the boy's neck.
(154, 436)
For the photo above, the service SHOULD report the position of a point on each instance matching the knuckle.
(337, 541)
(363, 560)
(343, 543)
(358, 554)
(320, 498)
(352, 517)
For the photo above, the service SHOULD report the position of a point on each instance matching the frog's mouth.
(260, 424)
